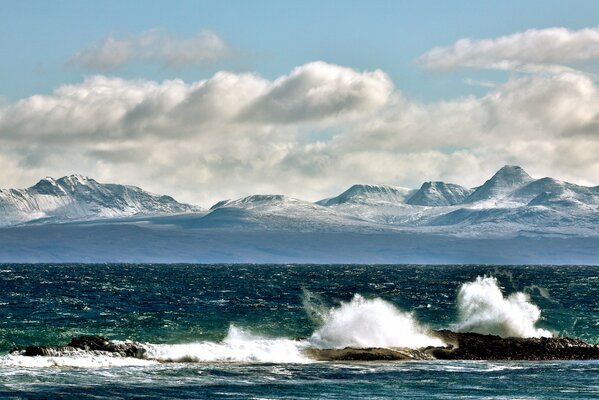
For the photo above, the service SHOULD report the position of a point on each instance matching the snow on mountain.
(436, 194)
(76, 197)
(278, 212)
(511, 203)
(368, 194)
(506, 180)
(508, 203)
(553, 193)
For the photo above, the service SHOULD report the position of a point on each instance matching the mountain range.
(510, 207)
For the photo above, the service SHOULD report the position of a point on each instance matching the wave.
(238, 346)
(75, 359)
(358, 323)
(371, 323)
(482, 308)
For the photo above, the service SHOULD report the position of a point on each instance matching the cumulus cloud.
(320, 90)
(532, 50)
(310, 133)
(154, 46)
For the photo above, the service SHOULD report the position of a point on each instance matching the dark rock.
(87, 343)
(90, 343)
(367, 354)
(460, 346)
(474, 346)
(470, 346)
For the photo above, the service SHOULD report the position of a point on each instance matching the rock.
(470, 346)
(460, 346)
(474, 346)
(87, 343)
(367, 354)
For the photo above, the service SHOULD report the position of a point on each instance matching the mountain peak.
(253, 200)
(75, 179)
(78, 197)
(439, 194)
(508, 178)
(360, 193)
(512, 173)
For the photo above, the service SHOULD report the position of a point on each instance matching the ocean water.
(241, 331)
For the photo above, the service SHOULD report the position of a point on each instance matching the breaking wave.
(358, 323)
(78, 359)
(371, 323)
(238, 346)
(482, 308)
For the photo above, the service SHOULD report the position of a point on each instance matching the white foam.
(76, 360)
(371, 323)
(483, 309)
(238, 346)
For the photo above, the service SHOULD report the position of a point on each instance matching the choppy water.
(237, 331)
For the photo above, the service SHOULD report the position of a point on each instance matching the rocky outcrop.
(474, 346)
(471, 346)
(86, 343)
(460, 346)
(367, 354)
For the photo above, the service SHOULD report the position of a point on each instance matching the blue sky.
(208, 100)
(37, 38)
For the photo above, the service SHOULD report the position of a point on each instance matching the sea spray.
(76, 359)
(482, 308)
(238, 346)
(371, 323)
(314, 306)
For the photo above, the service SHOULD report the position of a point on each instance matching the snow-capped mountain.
(437, 194)
(506, 180)
(511, 218)
(278, 212)
(369, 194)
(554, 193)
(510, 203)
(76, 197)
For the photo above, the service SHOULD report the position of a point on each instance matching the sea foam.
(482, 308)
(359, 323)
(80, 359)
(238, 346)
(375, 322)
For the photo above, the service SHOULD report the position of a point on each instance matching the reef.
(90, 343)
(471, 346)
(459, 346)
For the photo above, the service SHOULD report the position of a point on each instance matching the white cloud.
(320, 90)
(532, 50)
(308, 134)
(154, 46)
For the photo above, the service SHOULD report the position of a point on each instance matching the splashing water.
(238, 346)
(483, 309)
(371, 323)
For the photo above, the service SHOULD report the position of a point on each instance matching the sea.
(241, 331)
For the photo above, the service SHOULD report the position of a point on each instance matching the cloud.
(532, 50)
(319, 90)
(309, 134)
(482, 83)
(153, 46)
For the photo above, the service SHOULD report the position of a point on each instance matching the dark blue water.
(185, 304)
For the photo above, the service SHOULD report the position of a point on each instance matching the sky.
(209, 100)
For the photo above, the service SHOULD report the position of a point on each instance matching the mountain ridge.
(77, 197)
(511, 202)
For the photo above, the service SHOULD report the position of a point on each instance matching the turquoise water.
(233, 330)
